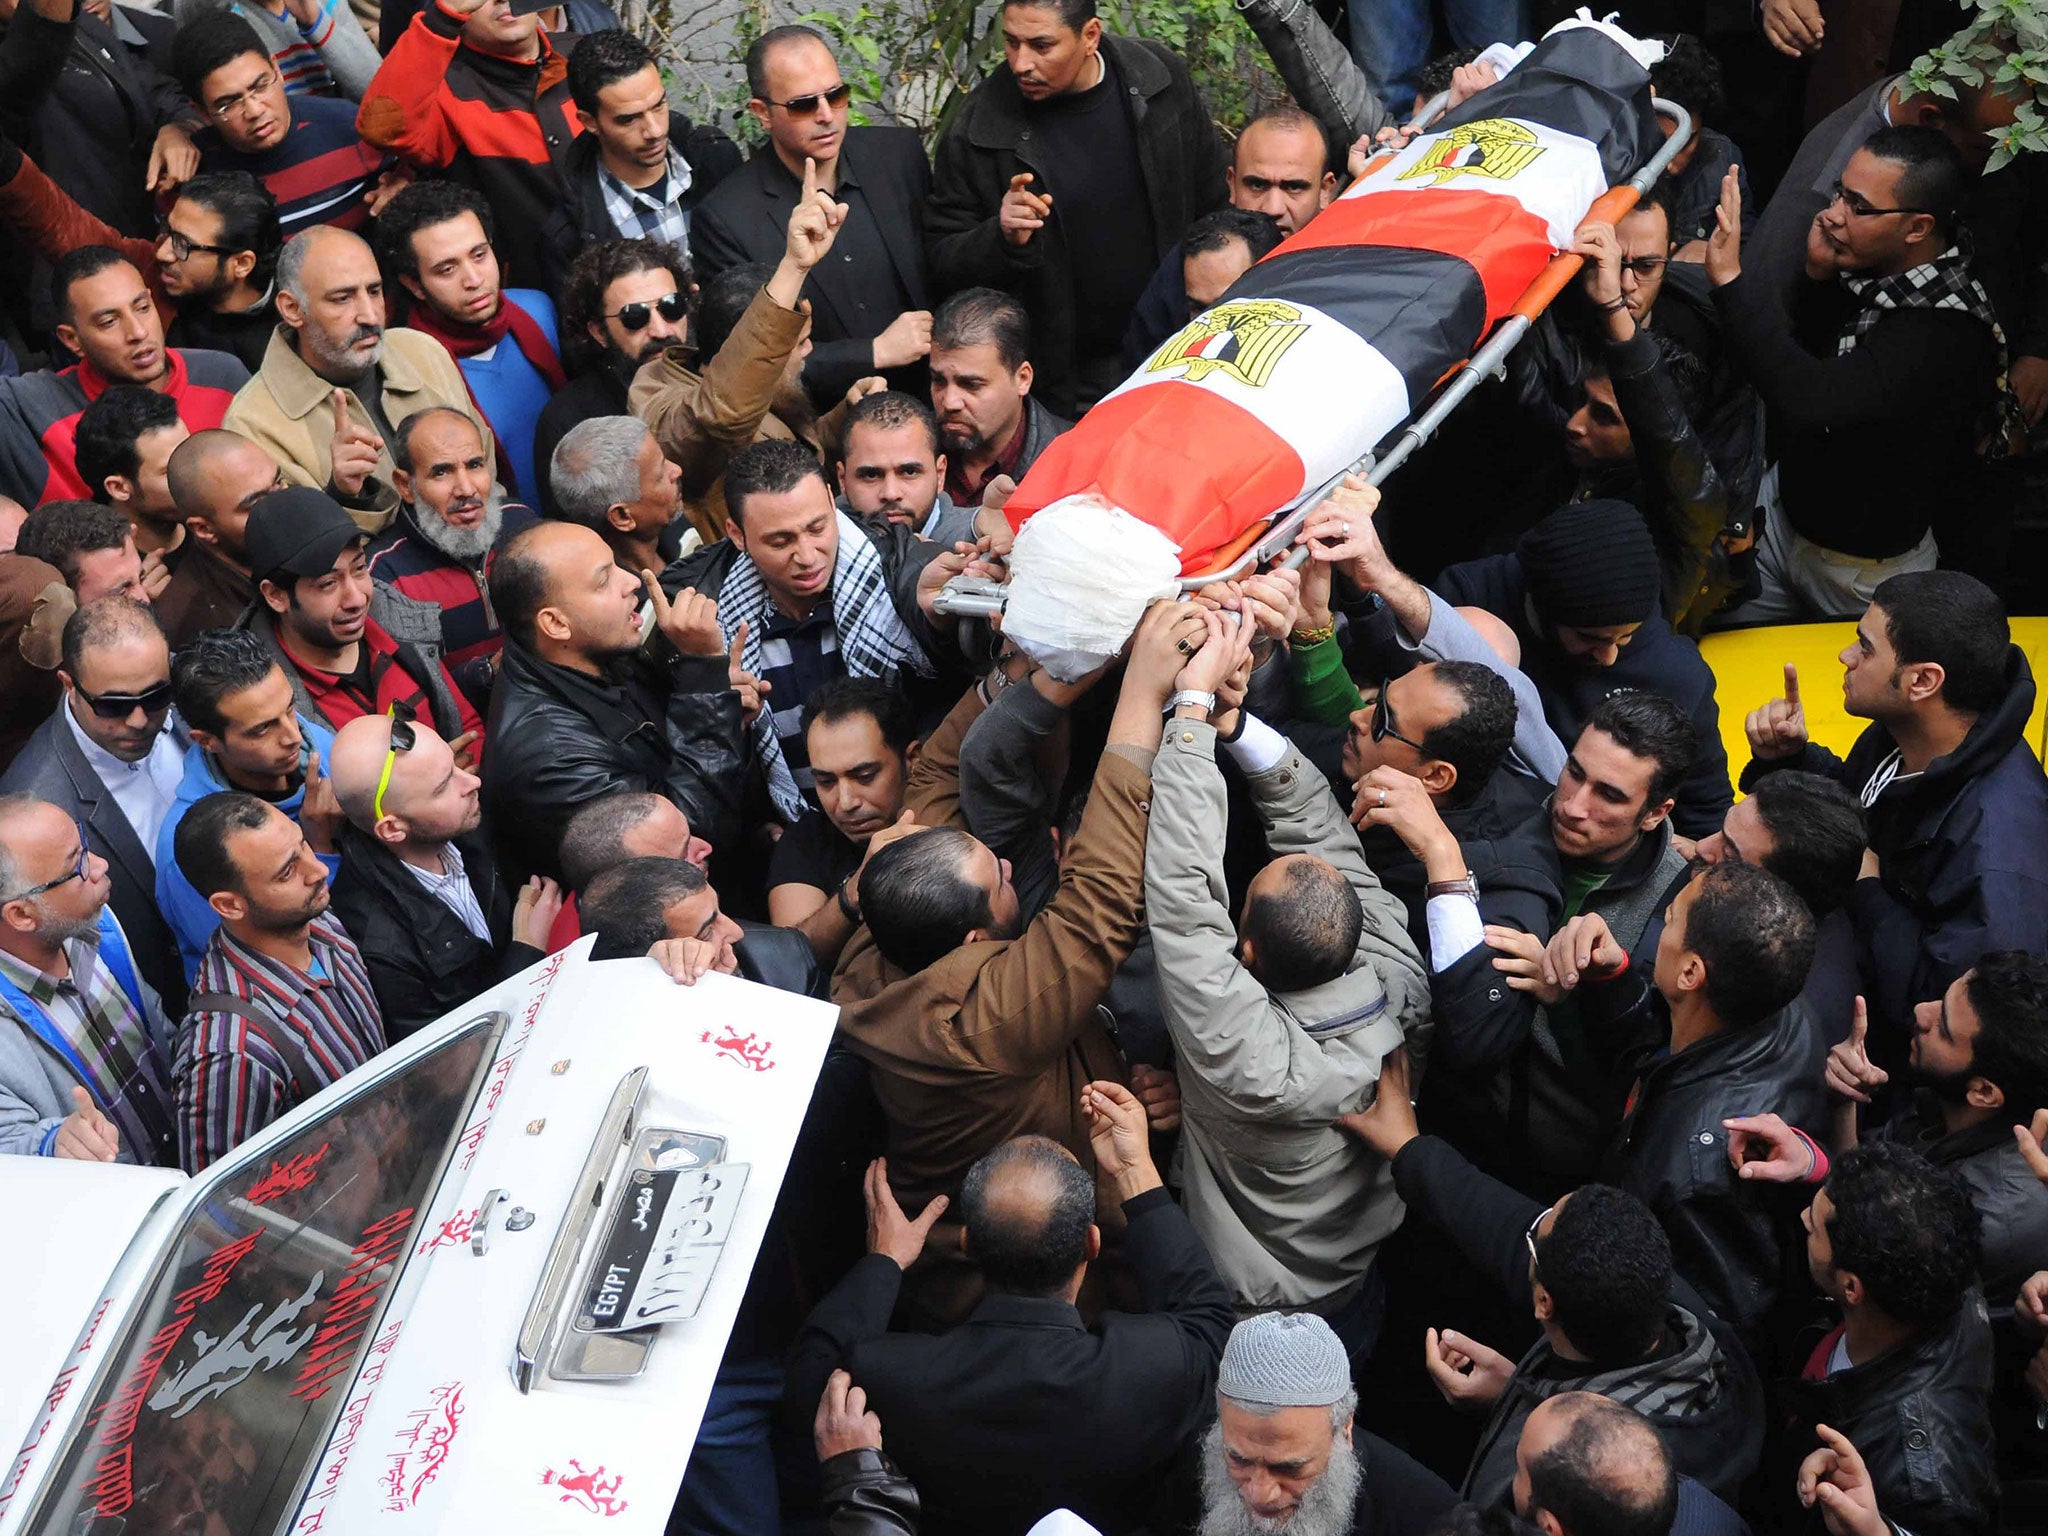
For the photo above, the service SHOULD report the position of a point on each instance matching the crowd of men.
(1350, 1064)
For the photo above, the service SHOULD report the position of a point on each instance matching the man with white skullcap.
(1283, 1458)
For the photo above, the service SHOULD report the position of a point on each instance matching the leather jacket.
(1920, 1415)
(560, 738)
(1737, 1242)
(864, 1495)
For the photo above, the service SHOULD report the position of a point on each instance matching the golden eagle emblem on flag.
(1494, 148)
(1243, 338)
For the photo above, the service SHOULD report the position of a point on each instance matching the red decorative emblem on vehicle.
(592, 1491)
(747, 1050)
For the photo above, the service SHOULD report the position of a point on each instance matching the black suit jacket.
(747, 219)
(51, 767)
(1022, 1409)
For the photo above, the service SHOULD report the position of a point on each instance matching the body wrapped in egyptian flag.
(1330, 344)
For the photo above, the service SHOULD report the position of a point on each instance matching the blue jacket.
(191, 918)
(511, 392)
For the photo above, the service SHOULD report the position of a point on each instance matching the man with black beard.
(438, 548)
(1284, 1458)
(622, 303)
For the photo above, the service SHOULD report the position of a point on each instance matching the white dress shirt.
(144, 791)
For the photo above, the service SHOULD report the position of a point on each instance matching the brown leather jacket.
(996, 1039)
(702, 419)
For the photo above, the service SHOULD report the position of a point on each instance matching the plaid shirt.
(650, 213)
(232, 1079)
(100, 1025)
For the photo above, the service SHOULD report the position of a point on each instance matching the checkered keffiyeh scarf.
(1943, 283)
(873, 639)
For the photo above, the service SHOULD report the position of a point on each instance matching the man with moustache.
(990, 423)
(892, 468)
(437, 550)
(336, 382)
(622, 303)
(608, 474)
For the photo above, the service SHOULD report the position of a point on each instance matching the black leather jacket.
(864, 1495)
(1920, 1416)
(560, 738)
(1737, 1242)
(423, 961)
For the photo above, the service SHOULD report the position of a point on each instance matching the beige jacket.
(702, 419)
(286, 409)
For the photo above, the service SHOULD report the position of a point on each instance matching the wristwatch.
(1468, 885)
(1194, 696)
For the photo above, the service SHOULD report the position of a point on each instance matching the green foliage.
(2003, 47)
(913, 61)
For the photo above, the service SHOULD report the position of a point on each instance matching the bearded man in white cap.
(1283, 1457)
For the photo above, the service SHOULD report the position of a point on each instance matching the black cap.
(297, 531)
(1591, 565)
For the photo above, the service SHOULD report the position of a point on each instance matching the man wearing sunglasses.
(623, 303)
(85, 1070)
(107, 760)
(419, 889)
(870, 308)
(1883, 381)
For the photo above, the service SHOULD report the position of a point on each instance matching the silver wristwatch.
(1192, 696)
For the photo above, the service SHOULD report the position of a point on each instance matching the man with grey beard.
(1284, 1458)
(437, 550)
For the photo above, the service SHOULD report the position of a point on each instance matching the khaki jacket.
(286, 409)
(1292, 1209)
(996, 1039)
(702, 419)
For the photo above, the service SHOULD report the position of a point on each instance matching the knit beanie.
(1590, 565)
(1284, 1360)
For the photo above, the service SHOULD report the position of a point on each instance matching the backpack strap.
(305, 1082)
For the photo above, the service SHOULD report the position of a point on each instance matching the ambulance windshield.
(230, 1376)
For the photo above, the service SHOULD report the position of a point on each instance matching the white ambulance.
(482, 1284)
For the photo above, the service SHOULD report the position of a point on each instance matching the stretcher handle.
(1609, 207)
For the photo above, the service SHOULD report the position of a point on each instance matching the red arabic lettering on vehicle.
(59, 1390)
(348, 1309)
(112, 1484)
(288, 1177)
(425, 1439)
(592, 1491)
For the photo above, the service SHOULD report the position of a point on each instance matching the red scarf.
(468, 340)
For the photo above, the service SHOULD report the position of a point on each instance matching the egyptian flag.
(1327, 346)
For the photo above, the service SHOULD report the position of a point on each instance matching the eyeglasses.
(1529, 1237)
(403, 739)
(804, 106)
(1860, 206)
(119, 706)
(634, 316)
(1645, 266)
(1383, 724)
(77, 872)
(182, 246)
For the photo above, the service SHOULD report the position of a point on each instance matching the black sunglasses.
(183, 246)
(804, 106)
(119, 706)
(634, 316)
(1383, 724)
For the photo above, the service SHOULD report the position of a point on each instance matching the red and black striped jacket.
(502, 126)
(403, 559)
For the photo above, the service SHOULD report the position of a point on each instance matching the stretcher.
(1348, 347)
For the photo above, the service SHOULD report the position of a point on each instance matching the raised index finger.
(1019, 181)
(654, 594)
(340, 411)
(1791, 684)
(810, 177)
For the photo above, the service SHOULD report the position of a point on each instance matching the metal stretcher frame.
(976, 597)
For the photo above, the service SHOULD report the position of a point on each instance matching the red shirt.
(966, 493)
(343, 697)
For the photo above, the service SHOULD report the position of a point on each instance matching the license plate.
(658, 1259)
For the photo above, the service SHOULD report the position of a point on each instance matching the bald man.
(1023, 1409)
(1586, 1466)
(419, 888)
(582, 706)
(215, 477)
(336, 382)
